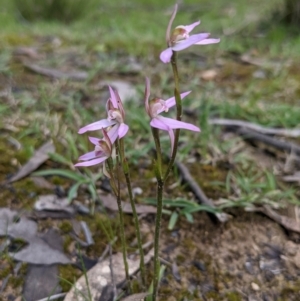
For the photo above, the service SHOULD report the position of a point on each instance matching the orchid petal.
(123, 129)
(193, 39)
(190, 27)
(147, 95)
(98, 125)
(172, 102)
(159, 124)
(166, 55)
(113, 97)
(94, 140)
(208, 41)
(87, 156)
(176, 124)
(92, 162)
(107, 139)
(113, 133)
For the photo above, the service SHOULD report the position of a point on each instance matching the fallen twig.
(4, 283)
(53, 297)
(87, 233)
(281, 145)
(292, 178)
(255, 127)
(196, 189)
(106, 250)
(50, 72)
(287, 222)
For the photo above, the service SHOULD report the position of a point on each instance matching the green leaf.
(92, 190)
(72, 145)
(73, 191)
(173, 220)
(59, 159)
(63, 173)
(200, 208)
(189, 218)
(162, 269)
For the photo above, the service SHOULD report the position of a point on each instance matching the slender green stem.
(116, 188)
(158, 163)
(178, 113)
(159, 196)
(135, 216)
(108, 232)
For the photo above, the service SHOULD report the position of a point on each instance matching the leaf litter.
(37, 251)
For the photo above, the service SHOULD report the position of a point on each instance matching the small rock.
(209, 75)
(290, 248)
(125, 89)
(137, 191)
(249, 267)
(259, 74)
(255, 286)
(297, 259)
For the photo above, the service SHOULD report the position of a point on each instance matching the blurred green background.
(132, 26)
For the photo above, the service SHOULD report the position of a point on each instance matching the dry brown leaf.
(52, 203)
(110, 203)
(42, 183)
(38, 158)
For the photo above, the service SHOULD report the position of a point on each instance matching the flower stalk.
(134, 213)
(116, 188)
(114, 129)
(159, 198)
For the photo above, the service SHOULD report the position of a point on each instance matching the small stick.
(4, 283)
(287, 222)
(50, 72)
(255, 127)
(53, 297)
(87, 233)
(106, 250)
(198, 192)
(281, 145)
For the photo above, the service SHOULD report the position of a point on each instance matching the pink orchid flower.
(180, 38)
(157, 106)
(116, 116)
(102, 151)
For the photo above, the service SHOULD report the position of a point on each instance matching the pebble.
(255, 286)
(290, 248)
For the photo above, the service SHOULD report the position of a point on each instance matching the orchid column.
(178, 40)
